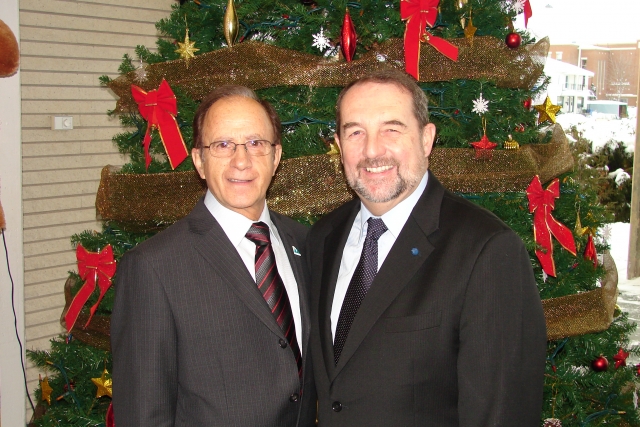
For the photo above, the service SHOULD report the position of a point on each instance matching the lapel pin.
(415, 252)
(296, 251)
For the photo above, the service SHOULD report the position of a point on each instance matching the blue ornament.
(415, 252)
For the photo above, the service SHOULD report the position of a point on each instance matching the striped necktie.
(272, 288)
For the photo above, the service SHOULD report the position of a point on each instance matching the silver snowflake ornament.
(518, 6)
(480, 105)
(321, 41)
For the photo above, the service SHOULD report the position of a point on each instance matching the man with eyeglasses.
(210, 324)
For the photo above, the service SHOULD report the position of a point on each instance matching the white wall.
(12, 390)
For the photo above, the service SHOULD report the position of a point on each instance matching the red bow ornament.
(542, 203)
(93, 267)
(159, 108)
(419, 14)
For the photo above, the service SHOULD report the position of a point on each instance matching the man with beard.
(425, 311)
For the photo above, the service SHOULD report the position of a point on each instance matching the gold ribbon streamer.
(260, 66)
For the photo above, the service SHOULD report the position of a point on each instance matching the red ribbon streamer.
(93, 267)
(590, 251)
(528, 12)
(159, 108)
(419, 14)
(542, 202)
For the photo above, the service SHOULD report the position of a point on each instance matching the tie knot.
(376, 228)
(259, 233)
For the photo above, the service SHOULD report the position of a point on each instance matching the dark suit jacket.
(451, 336)
(195, 344)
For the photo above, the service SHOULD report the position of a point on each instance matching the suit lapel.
(332, 255)
(289, 241)
(214, 246)
(409, 252)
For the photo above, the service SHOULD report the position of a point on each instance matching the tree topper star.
(187, 49)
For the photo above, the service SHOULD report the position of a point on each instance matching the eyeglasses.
(254, 147)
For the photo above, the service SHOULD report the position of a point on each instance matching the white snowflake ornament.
(321, 41)
(518, 6)
(480, 105)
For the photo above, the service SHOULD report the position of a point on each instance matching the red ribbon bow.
(419, 14)
(159, 108)
(93, 267)
(544, 224)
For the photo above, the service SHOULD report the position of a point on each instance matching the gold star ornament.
(104, 384)
(46, 389)
(187, 49)
(547, 111)
(470, 31)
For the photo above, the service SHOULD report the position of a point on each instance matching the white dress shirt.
(395, 220)
(235, 226)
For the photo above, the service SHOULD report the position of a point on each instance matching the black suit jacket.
(195, 344)
(451, 332)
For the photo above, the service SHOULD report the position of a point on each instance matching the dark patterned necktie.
(363, 276)
(271, 286)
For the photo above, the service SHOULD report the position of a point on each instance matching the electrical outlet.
(61, 122)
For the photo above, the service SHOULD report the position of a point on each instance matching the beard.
(386, 189)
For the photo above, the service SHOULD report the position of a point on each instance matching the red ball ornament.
(527, 104)
(513, 40)
(600, 364)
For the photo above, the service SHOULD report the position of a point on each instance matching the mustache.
(377, 162)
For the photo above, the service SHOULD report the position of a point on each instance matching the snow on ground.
(628, 289)
(602, 128)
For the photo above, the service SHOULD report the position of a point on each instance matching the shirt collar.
(397, 217)
(234, 224)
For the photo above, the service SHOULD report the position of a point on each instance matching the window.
(583, 62)
(559, 56)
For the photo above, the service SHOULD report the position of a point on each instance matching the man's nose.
(241, 158)
(374, 146)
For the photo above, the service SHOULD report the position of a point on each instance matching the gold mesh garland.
(315, 185)
(258, 65)
(586, 312)
(579, 314)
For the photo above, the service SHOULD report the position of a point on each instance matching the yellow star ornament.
(46, 389)
(470, 31)
(547, 111)
(104, 384)
(187, 49)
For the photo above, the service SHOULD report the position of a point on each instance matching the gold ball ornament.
(45, 389)
(187, 49)
(511, 144)
(104, 384)
(230, 23)
(547, 111)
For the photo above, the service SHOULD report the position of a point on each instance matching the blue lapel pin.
(296, 251)
(415, 252)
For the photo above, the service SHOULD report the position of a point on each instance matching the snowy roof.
(553, 66)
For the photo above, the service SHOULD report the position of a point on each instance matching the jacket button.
(282, 343)
(294, 397)
(336, 406)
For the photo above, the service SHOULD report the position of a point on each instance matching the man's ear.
(428, 137)
(197, 161)
(277, 155)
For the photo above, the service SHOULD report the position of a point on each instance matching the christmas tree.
(480, 76)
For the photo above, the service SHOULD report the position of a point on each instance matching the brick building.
(615, 68)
